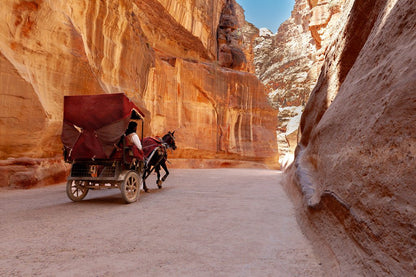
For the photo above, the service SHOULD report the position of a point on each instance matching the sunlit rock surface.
(289, 62)
(287, 133)
(219, 113)
(354, 170)
(162, 54)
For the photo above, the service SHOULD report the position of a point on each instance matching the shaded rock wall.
(354, 165)
(161, 53)
(236, 39)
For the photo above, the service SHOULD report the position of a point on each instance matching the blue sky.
(267, 13)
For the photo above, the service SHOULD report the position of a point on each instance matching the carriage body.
(94, 145)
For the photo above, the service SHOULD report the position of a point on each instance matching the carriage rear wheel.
(76, 190)
(130, 188)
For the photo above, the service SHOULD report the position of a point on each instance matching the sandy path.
(228, 222)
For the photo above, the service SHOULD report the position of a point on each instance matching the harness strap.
(151, 155)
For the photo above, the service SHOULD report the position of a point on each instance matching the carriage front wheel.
(130, 188)
(76, 190)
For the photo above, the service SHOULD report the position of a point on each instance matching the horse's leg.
(145, 175)
(165, 168)
(158, 182)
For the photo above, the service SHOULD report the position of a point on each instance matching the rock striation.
(353, 175)
(164, 54)
(219, 113)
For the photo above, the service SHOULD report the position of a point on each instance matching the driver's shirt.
(134, 139)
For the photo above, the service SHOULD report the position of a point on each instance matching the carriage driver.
(133, 140)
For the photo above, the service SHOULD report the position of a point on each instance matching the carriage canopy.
(94, 124)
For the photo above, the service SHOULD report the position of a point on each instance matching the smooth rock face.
(62, 48)
(355, 162)
(162, 54)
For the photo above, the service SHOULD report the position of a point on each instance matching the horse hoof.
(159, 184)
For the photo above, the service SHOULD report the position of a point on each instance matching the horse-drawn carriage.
(93, 136)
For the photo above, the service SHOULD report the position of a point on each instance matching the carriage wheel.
(130, 188)
(76, 190)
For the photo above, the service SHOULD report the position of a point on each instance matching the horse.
(155, 151)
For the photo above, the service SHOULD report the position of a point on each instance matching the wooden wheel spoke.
(76, 190)
(130, 187)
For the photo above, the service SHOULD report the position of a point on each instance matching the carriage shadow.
(114, 198)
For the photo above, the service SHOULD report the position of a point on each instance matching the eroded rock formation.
(289, 62)
(354, 168)
(162, 53)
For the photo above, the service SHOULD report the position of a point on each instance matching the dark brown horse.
(155, 152)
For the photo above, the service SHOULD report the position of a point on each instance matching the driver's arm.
(136, 141)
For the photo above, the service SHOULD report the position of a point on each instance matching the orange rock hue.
(219, 113)
(62, 53)
(322, 12)
(161, 53)
(354, 170)
(29, 172)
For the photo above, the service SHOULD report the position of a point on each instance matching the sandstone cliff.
(354, 170)
(289, 62)
(164, 54)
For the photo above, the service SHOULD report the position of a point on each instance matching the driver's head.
(131, 128)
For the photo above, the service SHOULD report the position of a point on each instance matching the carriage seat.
(130, 152)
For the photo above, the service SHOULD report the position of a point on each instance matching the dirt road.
(226, 222)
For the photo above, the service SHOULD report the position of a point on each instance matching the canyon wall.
(354, 170)
(163, 54)
(289, 62)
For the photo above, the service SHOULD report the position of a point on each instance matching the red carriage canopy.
(93, 124)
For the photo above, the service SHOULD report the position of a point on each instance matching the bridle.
(167, 144)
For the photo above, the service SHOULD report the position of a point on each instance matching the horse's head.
(169, 139)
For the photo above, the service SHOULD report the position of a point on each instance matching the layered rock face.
(219, 113)
(162, 53)
(289, 62)
(354, 168)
